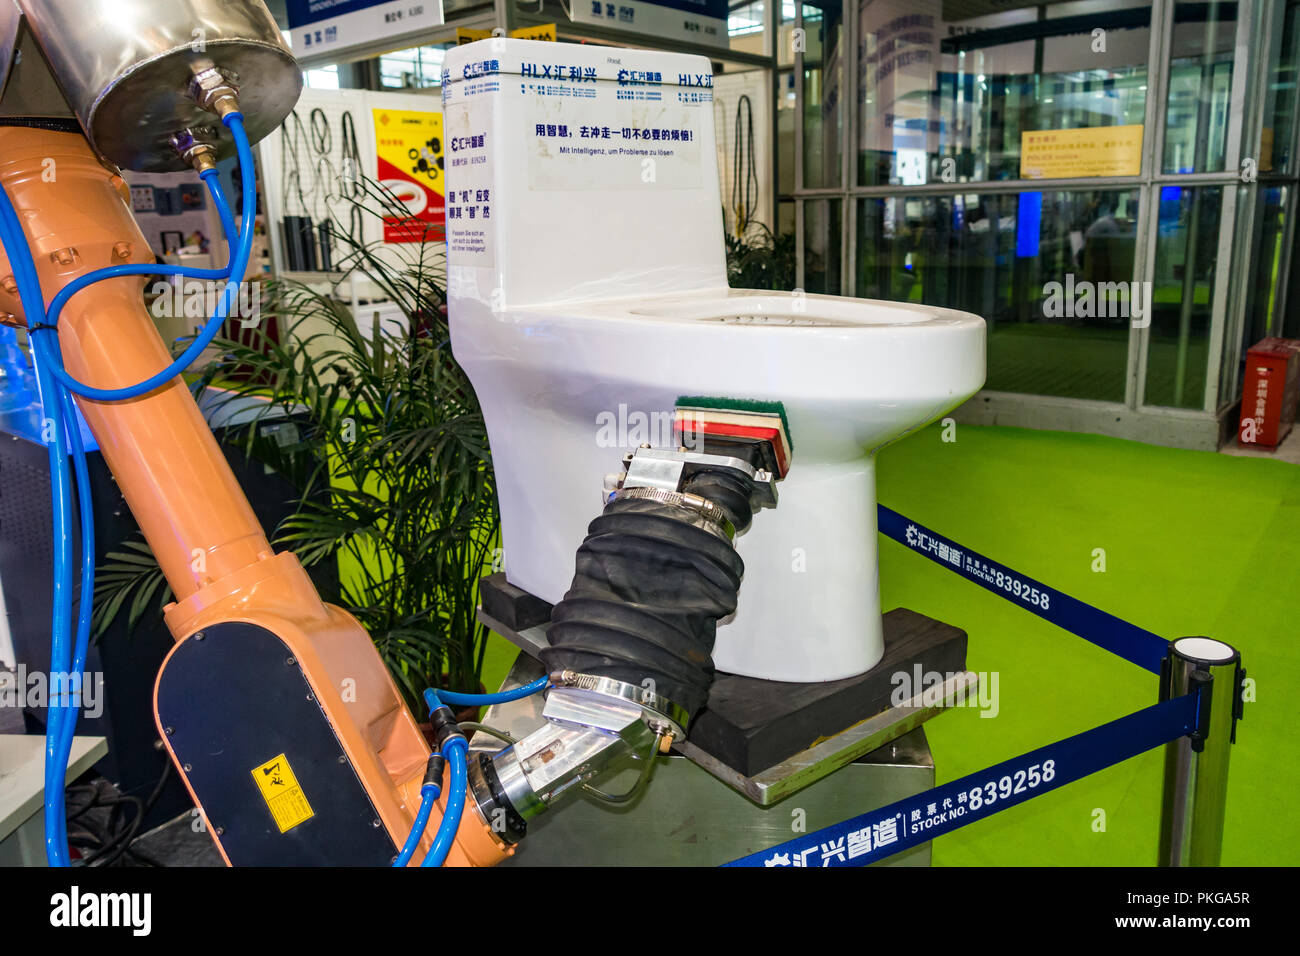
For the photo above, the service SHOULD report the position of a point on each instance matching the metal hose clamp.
(661, 714)
(715, 517)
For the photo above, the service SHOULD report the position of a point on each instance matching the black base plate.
(514, 607)
(752, 724)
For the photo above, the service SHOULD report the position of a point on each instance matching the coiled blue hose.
(234, 274)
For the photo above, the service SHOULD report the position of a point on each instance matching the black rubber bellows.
(649, 588)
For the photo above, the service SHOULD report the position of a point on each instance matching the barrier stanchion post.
(1196, 765)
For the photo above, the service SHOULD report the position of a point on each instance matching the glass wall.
(1273, 281)
(1086, 175)
(951, 101)
(1200, 86)
(822, 81)
(822, 255)
(418, 68)
(1023, 261)
(1187, 245)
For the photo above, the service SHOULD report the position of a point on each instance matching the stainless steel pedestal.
(687, 817)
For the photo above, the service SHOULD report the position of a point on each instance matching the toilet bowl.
(593, 296)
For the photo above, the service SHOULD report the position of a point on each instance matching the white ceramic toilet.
(587, 293)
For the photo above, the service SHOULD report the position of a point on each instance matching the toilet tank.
(577, 173)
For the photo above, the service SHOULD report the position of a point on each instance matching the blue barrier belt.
(1107, 631)
(914, 820)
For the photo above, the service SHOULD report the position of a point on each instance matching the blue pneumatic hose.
(85, 608)
(234, 275)
(212, 178)
(428, 797)
(485, 700)
(446, 835)
(454, 750)
(33, 302)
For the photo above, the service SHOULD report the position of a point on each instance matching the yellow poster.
(544, 31)
(1080, 153)
(409, 144)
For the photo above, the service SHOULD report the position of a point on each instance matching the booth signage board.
(700, 21)
(1079, 153)
(408, 146)
(336, 26)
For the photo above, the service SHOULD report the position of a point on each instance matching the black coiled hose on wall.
(650, 586)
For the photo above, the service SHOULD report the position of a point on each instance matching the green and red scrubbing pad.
(755, 431)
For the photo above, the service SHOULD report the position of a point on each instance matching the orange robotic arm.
(276, 708)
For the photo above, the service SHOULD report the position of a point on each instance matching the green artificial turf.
(1195, 543)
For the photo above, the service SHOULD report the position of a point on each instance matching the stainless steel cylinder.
(1196, 766)
(127, 69)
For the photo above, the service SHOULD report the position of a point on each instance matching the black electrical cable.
(291, 136)
(744, 199)
(52, 124)
(351, 159)
(351, 156)
(322, 145)
(121, 835)
(318, 180)
(114, 839)
(322, 134)
(104, 839)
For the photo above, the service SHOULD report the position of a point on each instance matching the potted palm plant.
(761, 259)
(391, 458)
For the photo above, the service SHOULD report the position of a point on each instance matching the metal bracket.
(668, 470)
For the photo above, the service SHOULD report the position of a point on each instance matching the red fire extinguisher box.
(1269, 392)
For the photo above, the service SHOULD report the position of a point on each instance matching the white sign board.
(326, 27)
(700, 21)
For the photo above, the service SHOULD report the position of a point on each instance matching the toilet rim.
(756, 308)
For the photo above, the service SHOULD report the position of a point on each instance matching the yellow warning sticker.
(284, 798)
